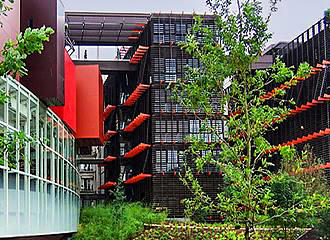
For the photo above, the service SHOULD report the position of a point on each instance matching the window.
(12, 105)
(24, 108)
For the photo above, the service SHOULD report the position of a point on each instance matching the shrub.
(324, 224)
(198, 231)
(115, 221)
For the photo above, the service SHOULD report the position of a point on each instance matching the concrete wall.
(11, 24)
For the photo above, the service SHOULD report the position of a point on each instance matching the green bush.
(117, 221)
(198, 232)
(324, 224)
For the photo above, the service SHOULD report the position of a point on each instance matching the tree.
(226, 55)
(14, 54)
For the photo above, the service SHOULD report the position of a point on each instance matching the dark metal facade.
(169, 123)
(313, 47)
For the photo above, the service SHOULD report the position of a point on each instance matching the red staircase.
(108, 110)
(137, 178)
(137, 150)
(139, 54)
(141, 88)
(136, 122)
(107, 185)
(109, 135)
(110, 159)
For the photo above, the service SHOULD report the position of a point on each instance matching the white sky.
(293, 17)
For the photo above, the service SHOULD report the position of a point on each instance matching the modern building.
(39, 190)
(309, 122)
(144, 128)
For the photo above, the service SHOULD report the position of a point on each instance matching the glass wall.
(39, 192)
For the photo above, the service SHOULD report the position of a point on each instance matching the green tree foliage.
(226, 55)
(4, 8)
(116, 221)
(15, 53)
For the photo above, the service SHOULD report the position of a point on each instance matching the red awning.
(136, 122)
(137, 178)
(141, 88)
(137, 150)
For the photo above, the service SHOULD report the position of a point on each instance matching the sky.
(292, 18)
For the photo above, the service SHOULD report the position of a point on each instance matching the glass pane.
(2, 91)
(66, 142)
(61, 139)
(49, 166)
(65, 174)
(34, 203)
(33, 159)
(2, 202)
(42, 124)
(33, 119)
(2, 132)
(49, 130)
(12, 106)
(56, 169)
(55, 136)
(41, 159)
(24, 104)
(12, 203)
(61, 170)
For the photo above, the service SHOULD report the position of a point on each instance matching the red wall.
(11, 23)
(90, 130)
(68, 112)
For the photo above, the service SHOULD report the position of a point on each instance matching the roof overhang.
(111, 29)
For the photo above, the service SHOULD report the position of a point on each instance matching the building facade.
(39, 190)
(308, 122)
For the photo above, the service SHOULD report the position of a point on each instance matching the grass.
(117, 221)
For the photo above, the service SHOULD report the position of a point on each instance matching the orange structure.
(90, 109)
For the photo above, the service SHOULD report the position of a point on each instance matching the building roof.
(96, 28)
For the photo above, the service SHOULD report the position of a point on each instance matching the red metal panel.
(46, 70)
(68, 113)
(90, 108)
